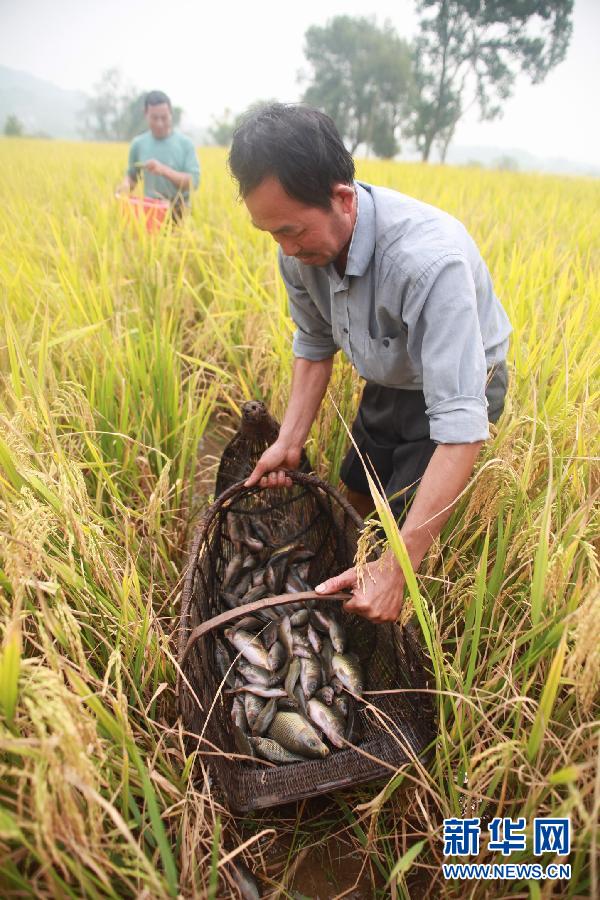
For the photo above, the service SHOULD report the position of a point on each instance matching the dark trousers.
(391, 431)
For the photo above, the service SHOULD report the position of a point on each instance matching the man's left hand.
(154, 166)
(382, 597)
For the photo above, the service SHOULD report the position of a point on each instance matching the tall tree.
(361, 77)
(13, 127)
(469, 52)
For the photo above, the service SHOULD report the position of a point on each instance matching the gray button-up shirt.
(415, 309)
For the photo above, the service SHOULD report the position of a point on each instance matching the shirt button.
(385, 342)
(345, 331)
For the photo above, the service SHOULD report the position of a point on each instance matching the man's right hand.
(269, 469)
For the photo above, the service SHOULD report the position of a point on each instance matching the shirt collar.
(362, 245)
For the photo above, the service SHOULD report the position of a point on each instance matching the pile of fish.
(286, 667)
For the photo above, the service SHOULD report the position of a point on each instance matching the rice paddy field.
(124, 359)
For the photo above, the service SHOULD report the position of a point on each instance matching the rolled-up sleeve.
(440, 313)
(313, 338)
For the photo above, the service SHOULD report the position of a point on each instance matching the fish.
(299, 618)
(255, 593)
(242, 585)
(238, 714)
(235, 528)
(258, 690)
(258, 576)
(326, 657)
(295, 734)
(273, 751)
(342, 703)
(314, 639)
(328, 719)
(300, 699)
(252, 543)
(248, 623)
(252, 707)
(301, 645)
(249, 562)
(337, 635)
(224, 667)
(265, 718)
(249, 646)
(244, 879)
(348, 670)
(233, 569)
(269, 634)
(261, 530)
(285, 634)
(291, 679)
(242, 743)
(274, 574)
(325, 695)
(276, 656)
(230, 600)
(310, 676)
(253, 674)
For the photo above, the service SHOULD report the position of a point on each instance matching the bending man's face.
(313, 235)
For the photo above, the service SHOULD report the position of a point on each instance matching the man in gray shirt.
(401, 288)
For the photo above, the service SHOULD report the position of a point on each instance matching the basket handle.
(231, 614)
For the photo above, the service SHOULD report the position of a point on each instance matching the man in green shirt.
(166, 157)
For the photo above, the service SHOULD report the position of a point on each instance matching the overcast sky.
(209, 56)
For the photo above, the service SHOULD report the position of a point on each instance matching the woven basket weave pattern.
(393, 731)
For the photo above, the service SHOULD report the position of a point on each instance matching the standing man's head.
(159, 113)
(297, 180)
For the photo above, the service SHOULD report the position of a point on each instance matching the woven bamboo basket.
(390, 730)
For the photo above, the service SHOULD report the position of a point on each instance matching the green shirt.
(176, 151)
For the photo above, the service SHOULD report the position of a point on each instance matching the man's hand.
(269, 469)
(383, 594)
(154, 166)
(124, 188)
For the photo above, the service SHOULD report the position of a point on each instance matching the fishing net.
(390, 728)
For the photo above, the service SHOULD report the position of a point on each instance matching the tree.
(361, 77)
(13, 127)
(115, 112)
(470, 52)
(222, 128)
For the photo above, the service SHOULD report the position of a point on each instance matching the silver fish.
(261, 530)
(300, 699)
(314, 639)
(276, 656)
(253, 674)
(230, 600)
(328, 719)
(242, 585)
(292, 677)
(242, 743)
(252, 707)
(325, 695)
(301, 644)
(285, 634)
(265, 718)
(299, 618)
(310, 676)
(258, 577)
(238, 714)
(255, 593)
(252, 543)
(259, 691)
(337, 635)
(348, 670)
(274, 752)
(234, 527)
(234, 567)
(294, 733)
(269, 634)
(249, 646)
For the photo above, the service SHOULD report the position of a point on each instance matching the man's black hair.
(155, 98)
(298, 145)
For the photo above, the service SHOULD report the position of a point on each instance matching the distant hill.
(40, 105)
(524, 161)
